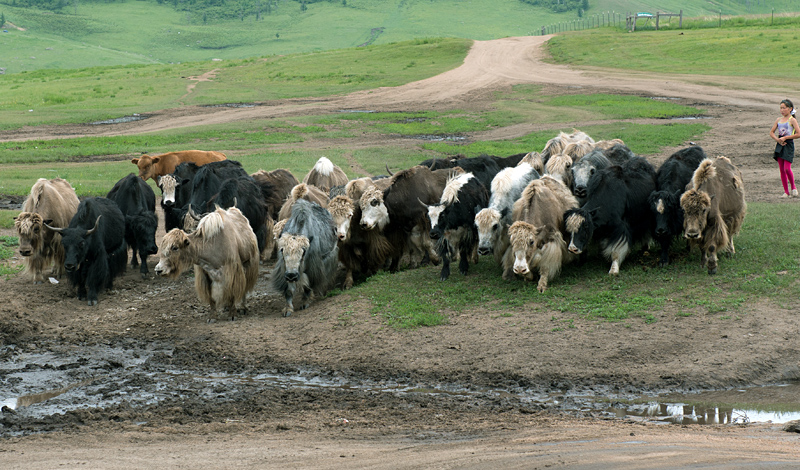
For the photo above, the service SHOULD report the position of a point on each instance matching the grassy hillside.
(144, 32)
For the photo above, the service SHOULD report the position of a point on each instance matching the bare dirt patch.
(194, 420)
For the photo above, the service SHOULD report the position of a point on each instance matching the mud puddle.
(40, 387)
(121, 120)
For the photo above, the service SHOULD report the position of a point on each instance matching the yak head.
(76, 242)
(169, 185)
(146, 165)
(176, 255)
(144, 226)
(292, 248)
(341, 209)
(373, 211)
(526, 240)
(579, 225)
(559, 166)
(696, 206)
(31, 231)
(666, 207)
(489, 222)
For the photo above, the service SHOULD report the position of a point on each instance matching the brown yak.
(51, 202)
(714, 209)
(164, 164)
(224, 252)
(536, 236)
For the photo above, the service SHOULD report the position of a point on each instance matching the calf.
(52, 202)
(224, 253)
(94, 247)
(714, 209)
(164, 164)
(616, 213)
(536, 236)
(453, 220)
(307, 254)
(325, 175)
(137, 202)
(671, 180)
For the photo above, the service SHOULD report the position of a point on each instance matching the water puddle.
(664, 98)
(124, 119)
(367, 111)
(230, 105)
(36, 385)
(684, 118)
(439, 137)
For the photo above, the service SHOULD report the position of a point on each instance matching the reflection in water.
(691, 414)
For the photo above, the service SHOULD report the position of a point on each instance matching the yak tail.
(703, 173)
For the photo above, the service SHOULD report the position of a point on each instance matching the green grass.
(101, 93)
(763, 268)
(751, 51)
(7, 248)
(7, 218)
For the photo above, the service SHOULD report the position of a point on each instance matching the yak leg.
(544, 274)
(463, 263)
(308, 296)
(617, 253)
(665, 242)
(348, 279)
(97, 276)
(712, 259)
(444, 254)
(289, 295)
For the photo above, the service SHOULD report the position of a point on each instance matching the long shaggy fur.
(55, 202)
(317, 264)
(224, 252)
(304, 191)
(714, 209)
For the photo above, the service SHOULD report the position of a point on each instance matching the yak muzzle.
(25, 252)
(483, 251)
(292, 276)
(580, 191)
(692, 235)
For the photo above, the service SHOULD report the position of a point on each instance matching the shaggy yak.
(325, 175)
(307, 254)
(714, 209)
(224, 252)
(52, 202)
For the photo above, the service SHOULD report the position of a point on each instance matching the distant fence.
(630, 19)
(608, 18)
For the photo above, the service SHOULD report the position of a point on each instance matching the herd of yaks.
(533, 212)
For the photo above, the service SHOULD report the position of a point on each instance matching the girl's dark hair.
(787, 103)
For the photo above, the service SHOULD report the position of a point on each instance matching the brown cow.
(714, 209)
(224, 252)
(303, 191)
(51, 202)
(325, 175)
(164, 164)
(536, 236)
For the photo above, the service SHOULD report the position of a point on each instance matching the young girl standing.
(787, 130)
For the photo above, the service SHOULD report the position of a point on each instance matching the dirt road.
(198, 422)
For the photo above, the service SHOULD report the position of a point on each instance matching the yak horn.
(388, 170)
(192, 213)
(96, 224)
(55, 229)
(420, 201)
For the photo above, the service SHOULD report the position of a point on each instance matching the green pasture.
(92, 34)
(101, 93)
(763, 267)
(758, 51)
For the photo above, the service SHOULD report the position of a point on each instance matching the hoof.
(288, 313)
(92, 303)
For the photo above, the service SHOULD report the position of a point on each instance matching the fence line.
(607, 18)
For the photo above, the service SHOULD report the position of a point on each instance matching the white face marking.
(434, 212)
(168, 184)
(660, 206)
(343, 229)
(520, 262)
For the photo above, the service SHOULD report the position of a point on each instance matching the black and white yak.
(616, 214)
(453, 220)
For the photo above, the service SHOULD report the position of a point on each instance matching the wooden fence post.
(680, 20)
(657, 17)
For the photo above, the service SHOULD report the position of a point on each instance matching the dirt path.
(241, 425)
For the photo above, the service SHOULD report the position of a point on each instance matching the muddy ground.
(154, 385)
